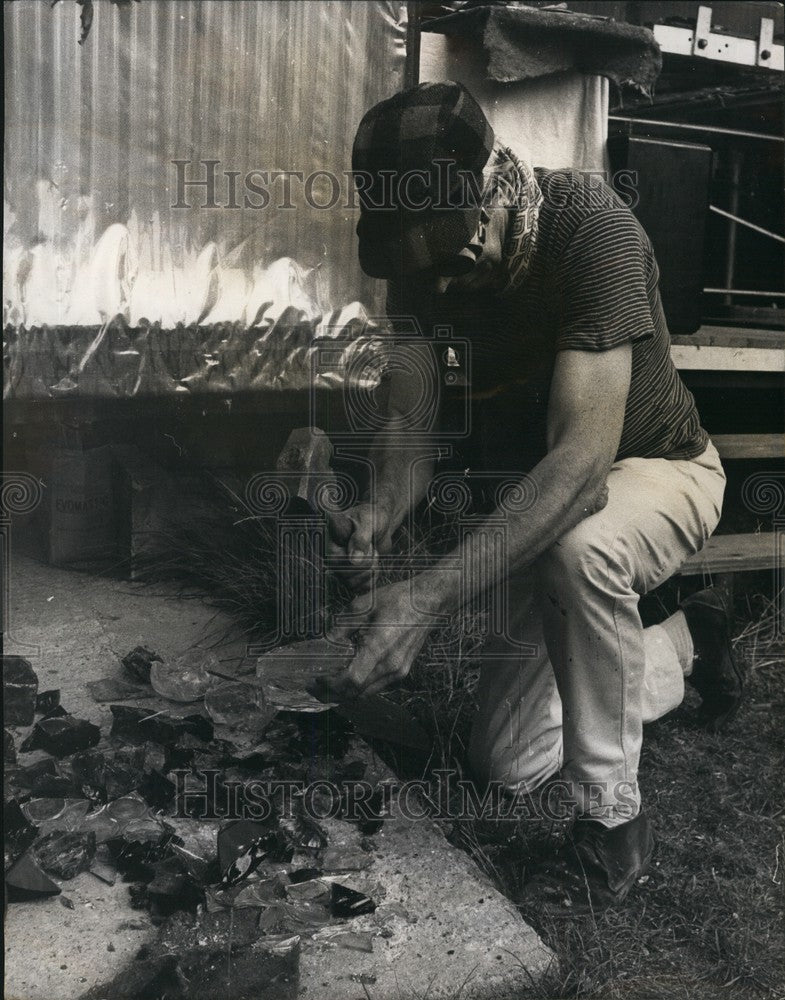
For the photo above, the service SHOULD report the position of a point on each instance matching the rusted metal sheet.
(295, 352)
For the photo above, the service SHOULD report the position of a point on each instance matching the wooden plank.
(697, 357)
(749, 445)
(734, 554)
(717, 47)
(732, 336)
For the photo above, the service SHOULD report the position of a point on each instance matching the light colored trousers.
(578, 699)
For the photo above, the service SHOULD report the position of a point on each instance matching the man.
(574, 392)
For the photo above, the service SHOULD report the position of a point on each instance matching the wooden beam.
(749, 445)
(727, 359)
(703, 43)
(730, 349)
(733, 336)
(735, 554)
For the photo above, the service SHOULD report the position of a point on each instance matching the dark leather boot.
(597, 867)
(715, 674)
(612, 859)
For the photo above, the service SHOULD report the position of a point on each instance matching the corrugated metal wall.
(92, 131)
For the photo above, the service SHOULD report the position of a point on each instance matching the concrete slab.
(440, 929)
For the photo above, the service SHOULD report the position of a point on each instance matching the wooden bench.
(730, 350)
(733, 554)
(723, 555)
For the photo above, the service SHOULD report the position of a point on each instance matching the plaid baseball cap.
(417, 161)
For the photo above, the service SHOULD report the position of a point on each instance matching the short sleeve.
(603, 284)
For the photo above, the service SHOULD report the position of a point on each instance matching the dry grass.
(233, 558)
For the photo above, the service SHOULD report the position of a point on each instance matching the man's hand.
(388, 638)
(359, 535)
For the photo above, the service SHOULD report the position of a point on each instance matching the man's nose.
(441, 285)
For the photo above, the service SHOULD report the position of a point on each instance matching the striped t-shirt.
(592, 286)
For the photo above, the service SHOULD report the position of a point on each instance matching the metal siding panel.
(270, 85)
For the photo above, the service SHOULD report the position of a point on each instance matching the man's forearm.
(566, 489)
(401, 475)
(402, 458)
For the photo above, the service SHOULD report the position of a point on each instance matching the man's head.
(418, 161)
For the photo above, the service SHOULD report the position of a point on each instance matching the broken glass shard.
(244, 844)
(347, 903)
(139, 725)
(240, 706)
(102, 867)
(339, 937)
(116, 689)
(56, 815)
(62, 736)
(136, 858)
(124, 770)
(57, 712)
(26, 881)
(9, 749)
(302, 833)
(46, 701)
(316, 890)
(290, 674)
(20, 687)
(65, 855)
(19, 833)
(186, 678)
(156, 789)
(138, 663)
(108, 774)
(114, 819)
(128, 809)
(278, 944)
(172, 888)
(27, 777)
(89, 769)
(304, 875)
(257, 895)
